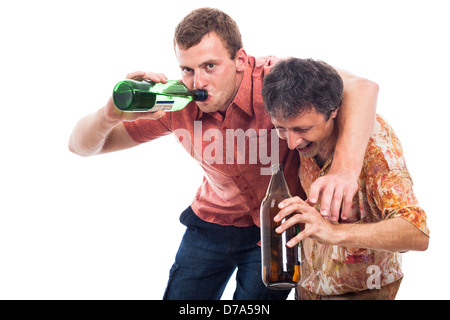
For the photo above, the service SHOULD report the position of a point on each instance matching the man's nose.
(294, 140)
(199, 80)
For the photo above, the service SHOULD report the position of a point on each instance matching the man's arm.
(356, 120)
(104, 131)
(395, 234)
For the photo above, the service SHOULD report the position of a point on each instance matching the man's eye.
(210, 66)
(187, 70)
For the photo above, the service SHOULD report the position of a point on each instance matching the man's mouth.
(305, 148)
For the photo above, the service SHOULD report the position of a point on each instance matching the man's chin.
(208, 107)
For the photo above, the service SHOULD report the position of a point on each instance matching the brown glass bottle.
(280, 264)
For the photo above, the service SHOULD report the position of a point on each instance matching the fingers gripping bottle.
(280, 264)
(149, 96)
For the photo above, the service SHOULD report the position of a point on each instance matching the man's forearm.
(90, 134)
(395, 235)
(356, 120)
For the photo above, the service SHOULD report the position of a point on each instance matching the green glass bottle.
(149, 96)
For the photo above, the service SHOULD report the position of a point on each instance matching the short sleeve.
(144, 130)
(394, 196)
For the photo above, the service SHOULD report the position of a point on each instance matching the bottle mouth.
(277, 167)
(200, 95)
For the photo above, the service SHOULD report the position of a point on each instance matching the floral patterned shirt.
(384, 191)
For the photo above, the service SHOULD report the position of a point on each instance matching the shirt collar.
(312, 163)
(243, 98)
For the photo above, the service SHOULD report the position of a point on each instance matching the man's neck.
(319, 161)
(328, 148)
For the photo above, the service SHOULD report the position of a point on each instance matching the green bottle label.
(163, 105)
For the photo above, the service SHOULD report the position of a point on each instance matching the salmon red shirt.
(235, 150)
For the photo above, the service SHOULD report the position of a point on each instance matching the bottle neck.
(278, 181)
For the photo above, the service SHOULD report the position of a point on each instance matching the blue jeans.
(207, 257)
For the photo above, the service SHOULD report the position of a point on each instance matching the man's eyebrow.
(277, 126)
(214, 61)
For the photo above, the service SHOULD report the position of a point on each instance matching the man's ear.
(334, 113)
(241, 60)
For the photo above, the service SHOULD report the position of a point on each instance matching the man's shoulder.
(262, 65)
(384, 148)
(266, 60)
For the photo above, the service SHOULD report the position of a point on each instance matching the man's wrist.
(108, 119)
(342, 234)
(346, 166)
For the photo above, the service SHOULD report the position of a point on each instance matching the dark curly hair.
(297, 85)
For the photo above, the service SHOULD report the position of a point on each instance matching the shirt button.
(322, 173)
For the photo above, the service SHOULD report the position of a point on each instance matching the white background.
(107, 227)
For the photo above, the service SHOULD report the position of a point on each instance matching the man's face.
(309, 133)
(208, 66)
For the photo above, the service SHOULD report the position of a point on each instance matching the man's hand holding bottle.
(116, 115)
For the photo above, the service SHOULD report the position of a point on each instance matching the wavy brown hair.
(200, 22)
